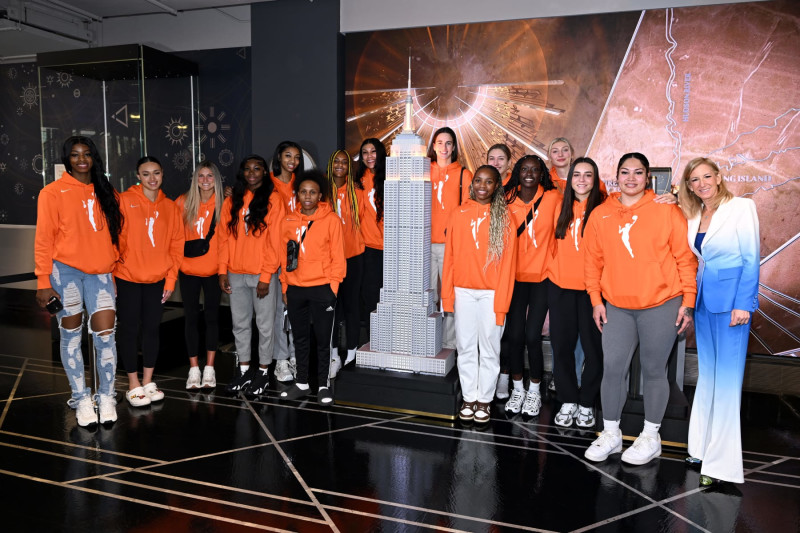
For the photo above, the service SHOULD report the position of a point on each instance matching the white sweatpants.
(478, 344)
(448, 322)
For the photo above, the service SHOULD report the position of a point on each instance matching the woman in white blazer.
(723, 233)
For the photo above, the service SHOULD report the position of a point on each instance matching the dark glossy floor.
(205, 462)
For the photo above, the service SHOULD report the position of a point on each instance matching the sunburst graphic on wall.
(37, 163)
(2, 167)
(488, 86)
(64, 79)
(176, 131)
(181, 160)
(30, 96)
(212, 127)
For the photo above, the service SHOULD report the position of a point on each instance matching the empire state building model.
(406, 328)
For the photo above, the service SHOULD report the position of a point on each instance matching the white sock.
(650, 429)
(321, 389)
(302, 386)
(518, 385)
(264, 370)
(351, 355)
(611, 426)
(334, 352)
(502, 381)
(533, 387)
(244, 368)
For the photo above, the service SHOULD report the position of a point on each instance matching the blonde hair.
(498, 218)
(690, 203)
(561, 140)
(350, 187)
(192, 197)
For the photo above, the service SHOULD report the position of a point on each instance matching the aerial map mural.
(720, 81)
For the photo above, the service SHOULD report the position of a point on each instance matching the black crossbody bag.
(529, 218)
(293, 250)
(198, 247)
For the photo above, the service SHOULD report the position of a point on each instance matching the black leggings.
(190, 292)
(138, 303)
(304, 304)
(524, 323)
(349, 303)
(570, 316)
(372, 281)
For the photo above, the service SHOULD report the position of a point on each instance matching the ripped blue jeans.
(97, 293)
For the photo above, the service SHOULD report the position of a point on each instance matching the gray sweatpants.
(243, 302)
(654, 331)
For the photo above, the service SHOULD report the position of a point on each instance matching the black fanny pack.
(293, 250)
(198, 247)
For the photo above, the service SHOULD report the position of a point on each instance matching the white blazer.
(727, 274)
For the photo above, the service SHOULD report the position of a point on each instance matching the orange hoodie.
(638, 257)
(151, 242)
(566, 268)
(371, 229)
(447, 195)
(71, 229)
(465, 254)
(321, 258)
(560, 184)
(353, 240)
(205, 265)
(536, 244)
(286, 191)
(247, 252)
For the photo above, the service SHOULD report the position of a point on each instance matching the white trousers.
(478, 344)
(448, 324)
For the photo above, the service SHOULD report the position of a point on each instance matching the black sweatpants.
(349, 303)
(138, 303)
(317, 303)
(190, 292)
(524, 323)
(570, 316)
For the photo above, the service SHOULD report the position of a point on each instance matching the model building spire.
(408, 124)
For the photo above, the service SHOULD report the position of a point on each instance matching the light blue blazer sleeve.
(727, 276)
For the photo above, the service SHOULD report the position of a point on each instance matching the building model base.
(438, 365)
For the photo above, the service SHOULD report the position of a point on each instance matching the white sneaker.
(502, 387)
(108, 409)
(153, 392)
(607, 443)
(643, 450)
(533, 403)
(514, 405)
(85, 412)
(137, 397)
(585, 417)
(193, 381)
(351, 356)
(336, 365)
(566, 414)
(209, 377)
(282, 371)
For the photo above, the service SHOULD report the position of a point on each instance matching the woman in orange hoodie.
(312, 268)
(248, 248)
(201, 207)
(287, 162)
(151, 250)
(533, 204)
(370, 175)
(640, 276)
(479, 263)
(450, 182)
(570, 308)
(347, 202)
(76, 246)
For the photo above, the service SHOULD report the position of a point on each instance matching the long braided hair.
(498, 218)
(349, 184)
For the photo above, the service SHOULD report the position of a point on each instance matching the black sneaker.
(241, 380)
(295, 393)
(258, 387)
(324, 396)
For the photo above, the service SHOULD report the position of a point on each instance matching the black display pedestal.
(401, 392)
(675, 425)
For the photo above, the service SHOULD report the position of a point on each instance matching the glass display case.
(131, 100)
